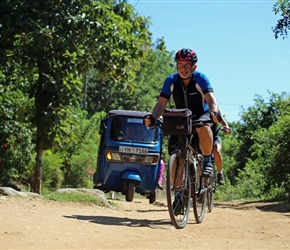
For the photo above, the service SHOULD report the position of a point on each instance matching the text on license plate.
(133, 150)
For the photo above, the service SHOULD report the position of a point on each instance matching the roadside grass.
(73, 197)
(81, 197)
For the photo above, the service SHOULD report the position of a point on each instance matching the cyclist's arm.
(162, 101)
(159, 107)
(213, 107)
(157, 111)
(164, 96)
(211, 101)
(223, 120)
(225, 123)
(209, 96)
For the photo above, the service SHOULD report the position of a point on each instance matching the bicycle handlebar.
(196, 123)
(225, 129)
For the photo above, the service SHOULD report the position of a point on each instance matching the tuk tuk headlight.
(113, 156)
(151, 159)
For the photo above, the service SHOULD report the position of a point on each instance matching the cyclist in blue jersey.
(190, 89)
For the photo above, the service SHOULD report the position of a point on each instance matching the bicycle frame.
(185, 180)
(189, 161)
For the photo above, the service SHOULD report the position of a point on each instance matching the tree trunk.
(37, 177)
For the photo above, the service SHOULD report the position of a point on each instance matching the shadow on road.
(121, 221)
(278, 207)
(130, 222)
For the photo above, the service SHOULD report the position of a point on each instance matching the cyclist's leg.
(218, 160)
(217, 155)
(205, 136)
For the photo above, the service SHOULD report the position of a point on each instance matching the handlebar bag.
(177, 122)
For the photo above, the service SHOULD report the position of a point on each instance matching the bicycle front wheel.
(210, 193)
(178, 191)
(199, 195)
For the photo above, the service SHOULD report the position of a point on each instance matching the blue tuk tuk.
(129, 155)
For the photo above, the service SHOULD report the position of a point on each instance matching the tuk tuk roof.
(128, 113)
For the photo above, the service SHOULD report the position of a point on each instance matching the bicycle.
(184, 179)
(213, 185)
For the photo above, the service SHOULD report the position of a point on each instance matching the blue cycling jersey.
(191, 96)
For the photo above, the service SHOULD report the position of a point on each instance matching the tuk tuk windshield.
(132, 129)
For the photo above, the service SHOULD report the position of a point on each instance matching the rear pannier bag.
(177, 122)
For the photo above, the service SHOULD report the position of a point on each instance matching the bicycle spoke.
(178, 191)
(199, 197)
(210, 193)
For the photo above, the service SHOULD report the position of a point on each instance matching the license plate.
(133, 150)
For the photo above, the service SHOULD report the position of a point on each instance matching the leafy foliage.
(65, 64)
(276, 147)
(16, 138)
(79, 148)
(283, 24)
(52, 174)
(56, 42)
(107, 95)
(262, 140)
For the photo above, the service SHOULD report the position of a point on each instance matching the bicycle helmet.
(186, 55)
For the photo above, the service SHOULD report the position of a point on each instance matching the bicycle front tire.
(210, 193)
(178, 191)
(199, 196)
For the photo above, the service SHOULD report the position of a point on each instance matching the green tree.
(56, 42)
(261, 115)
(79, 147)
(230, 147)
(16, 136)
(278, 171)
(142, 95)
(272, 147)
(282, 27)
(263, 143)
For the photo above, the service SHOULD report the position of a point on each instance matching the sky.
(234, 42)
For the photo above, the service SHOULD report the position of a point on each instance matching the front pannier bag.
(177, 122)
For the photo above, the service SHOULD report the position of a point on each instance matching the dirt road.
(29, 223)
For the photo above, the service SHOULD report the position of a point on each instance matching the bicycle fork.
(179, 172)
(198, 178)
(179, 179)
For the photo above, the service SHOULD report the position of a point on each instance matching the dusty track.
(29, 223)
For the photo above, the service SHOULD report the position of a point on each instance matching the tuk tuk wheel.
(130, 191)
(152, 197)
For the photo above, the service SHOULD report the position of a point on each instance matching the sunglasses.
(184, 66)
